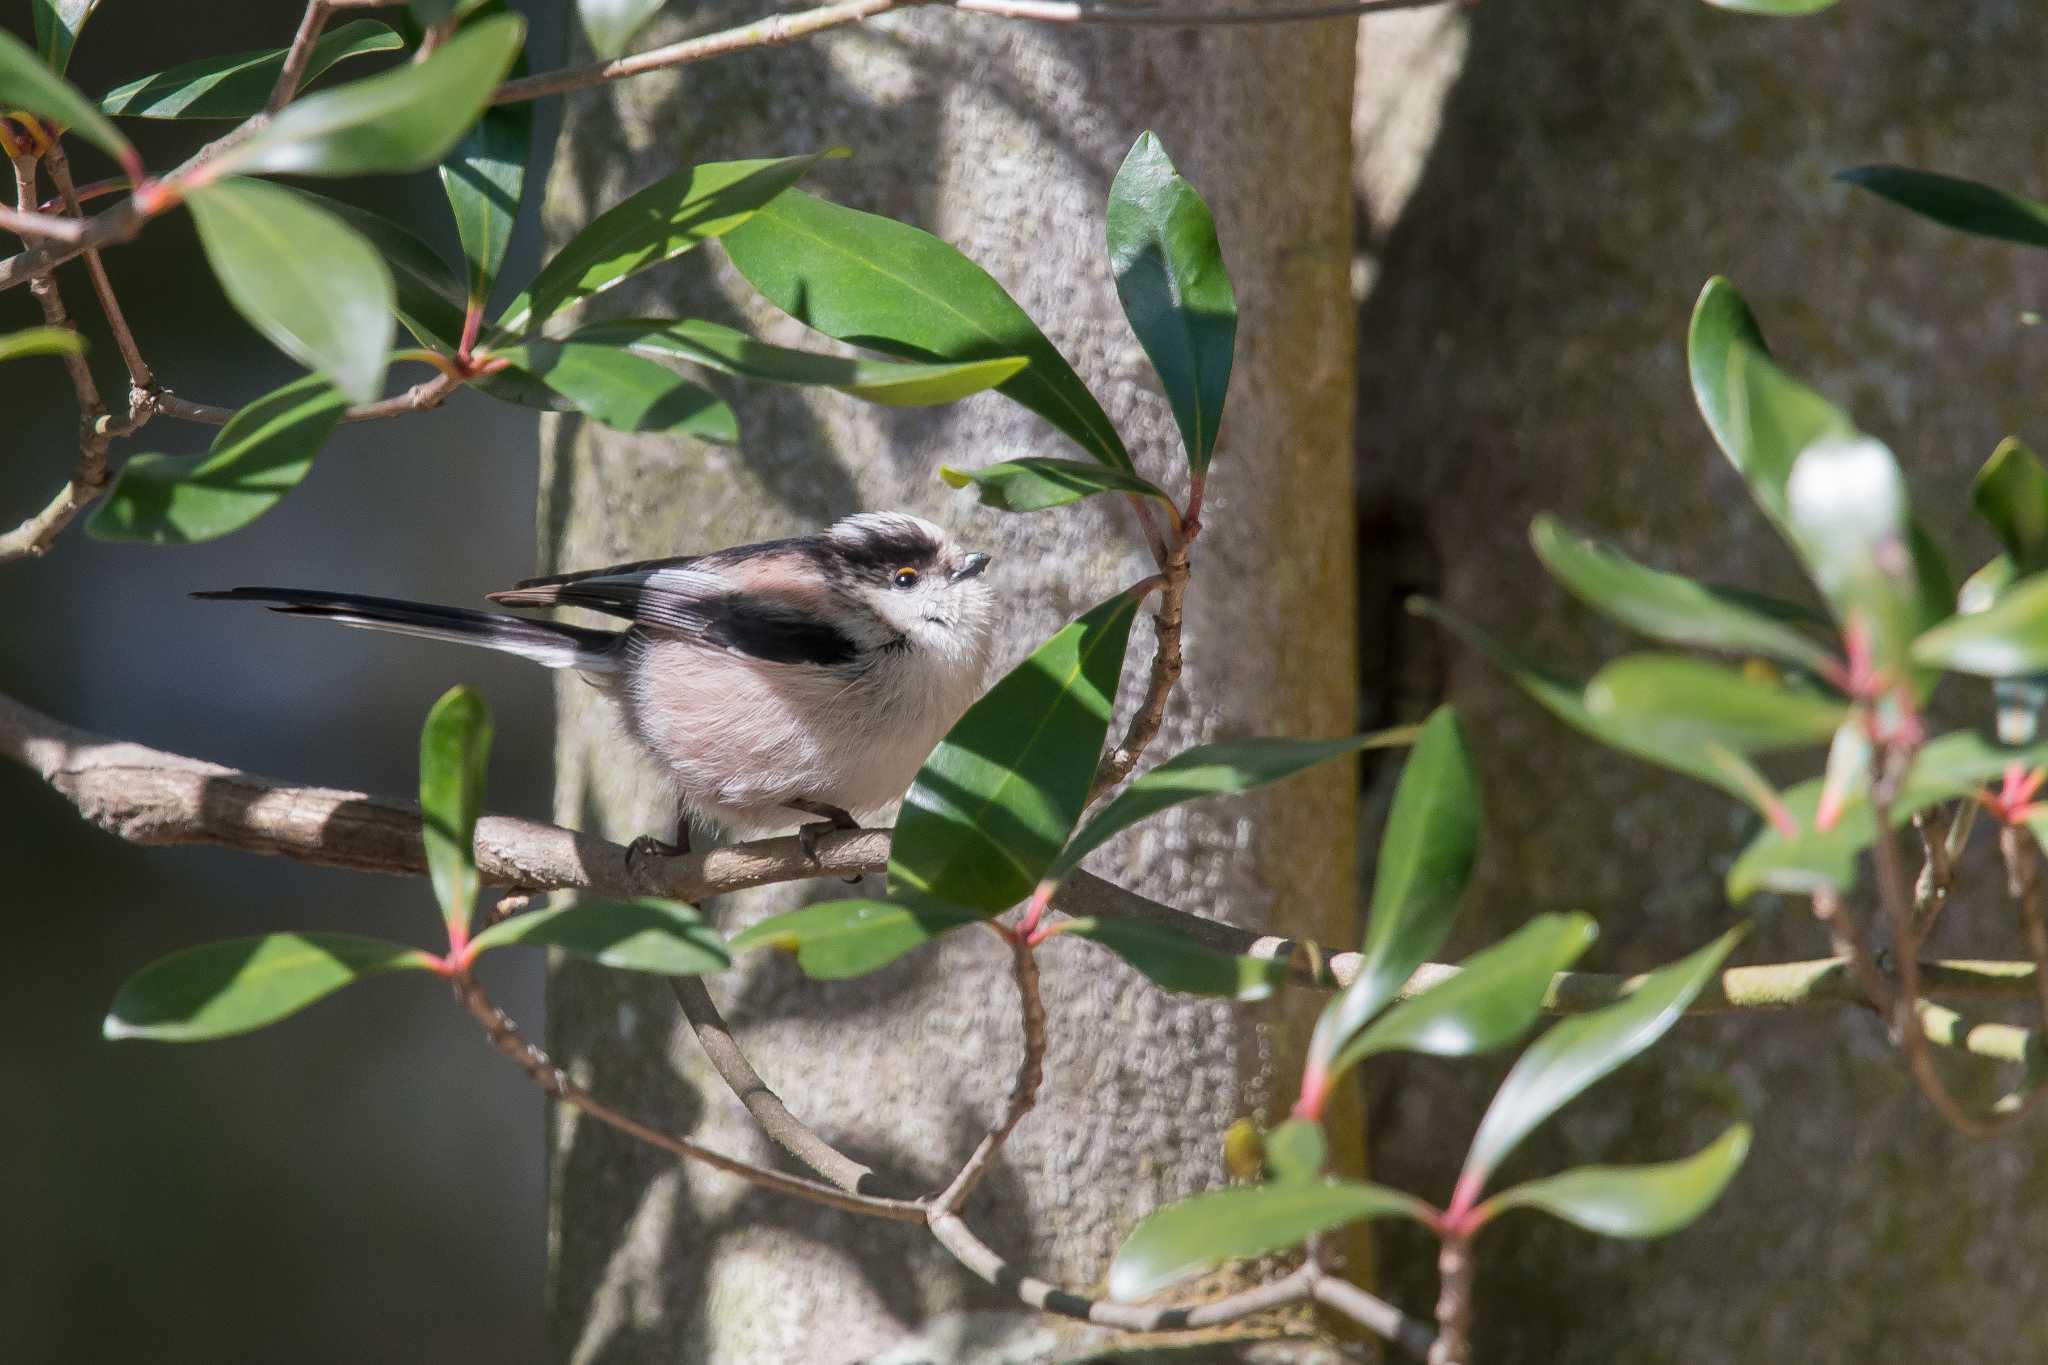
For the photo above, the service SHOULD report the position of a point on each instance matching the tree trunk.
(1002, 138)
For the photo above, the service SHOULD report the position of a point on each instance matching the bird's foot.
(807, 834)
(647, 846)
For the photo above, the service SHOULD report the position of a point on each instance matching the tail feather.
(544, 642)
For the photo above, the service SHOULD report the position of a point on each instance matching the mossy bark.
(1001, 138)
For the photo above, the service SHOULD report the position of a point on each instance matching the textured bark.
(1002, 139)
(1522, 350)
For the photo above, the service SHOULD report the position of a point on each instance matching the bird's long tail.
(545, 642)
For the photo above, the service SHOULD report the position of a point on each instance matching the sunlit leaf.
(58, 23)
(41, 341)
(27, 83)
(1688, 703)
(2011, 493)
(1034, 484)
(640, 935)
(624, 391)
(846, 938)
(220, 989)
(427, 295)
(1779, 9)
(484, 177)
(1175, 962)
(611, 24)
(1633, 1201)
(2008, 639)
(455, 747)
(239, 85)
(1296, 1150)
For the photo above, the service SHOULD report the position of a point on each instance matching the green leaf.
(611, 24)
(1175, 290)
(1688, 702)
(645, 935)
(427, 296)
(1495, 998)
(893, 288)
(220, 989)
(1961, 204)
(58, 24)
(1426, 855)
(1199, 1234)
(260, 455)
(304, 279)
(2011, 493)
(656, 224)
(1667, 606)
(1633, 1201)
(2008, 639)
(995, 802)
(732, 352)
(455, 747)
(27, 83)
(839, 939)
(1297, 1150)
(1583, 1049)
(239, 85)
(1779, 9)
(1215, 770)
(624, 391)
(1175, 962)
(1846, 506)
(405, 119)
(1033, 484)
(41, 341)
(484, 177)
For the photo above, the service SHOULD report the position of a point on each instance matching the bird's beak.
(970, 567)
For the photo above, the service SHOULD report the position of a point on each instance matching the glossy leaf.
(1688, 702)
(1296, 1150)
(995, 802)
(1633, 1201)
(1846, 506)
(427, 297)
(1575, 1053)
(624, 391)
(639, 935)
(40, 341)
(1426, 854)
(1961, 204)
(58, 23)
(720, 348)
(653, 225)
(405, 119)
(239, 85)
(2008, 639)
(2011, 493)
(1196, 1235)
(220, 989)
(1175, 290)
(1173, 961)
(27, 83)
(1034, 484)
(839, 939)
(455, 747)
(1224, 769)
(893, 288)
(1495, 998)
(611, 24)
(484, 177)
(304, 279)
(260, 455)
(1668, 606)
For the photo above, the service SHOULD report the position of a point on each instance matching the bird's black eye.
(905, 577)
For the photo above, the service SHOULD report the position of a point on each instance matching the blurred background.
(366, 1181)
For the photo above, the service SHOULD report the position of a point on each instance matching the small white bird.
(810, 676)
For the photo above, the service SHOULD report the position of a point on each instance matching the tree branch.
(296, 57)
(1023, 1094)
(1144, 725)
(140, 380)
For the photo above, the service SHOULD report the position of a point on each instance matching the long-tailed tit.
(807, 676)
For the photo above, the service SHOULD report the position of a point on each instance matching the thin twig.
(1170, 16)
(1375, 1314)
(117, 224)
(421, 397)
(1023, 1094)
(140, 380)
(1453, 1344)
(1145, 723)
(33, 225)
(1937, 870)
(506, 1037)
(297, 56)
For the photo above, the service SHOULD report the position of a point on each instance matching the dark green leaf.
(428, 295)
(41, 341)
(995, 802)
(840, 939)
(1033, 484)
(1296, 1150)
(1581, 1050)
(58, 23)
(1426, 855)
(731, 352)
(1214, 770)
(1175, 290)
(405, 119)
(1496, 996)
(656, 224)
(260, 455)
(1666, 606)
(1198, 1234)
(220, 989)
(641, 935)
(611, 24)
(484, 177)
(1633, 1201)
(2008, 639)
(1961, 204)
(892, 288)
(2011, 492)
(238, 85)
(1687, 702)
(1175, 962)
(624, 391)
(304, 279)
(27, 83)
(455, 747)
